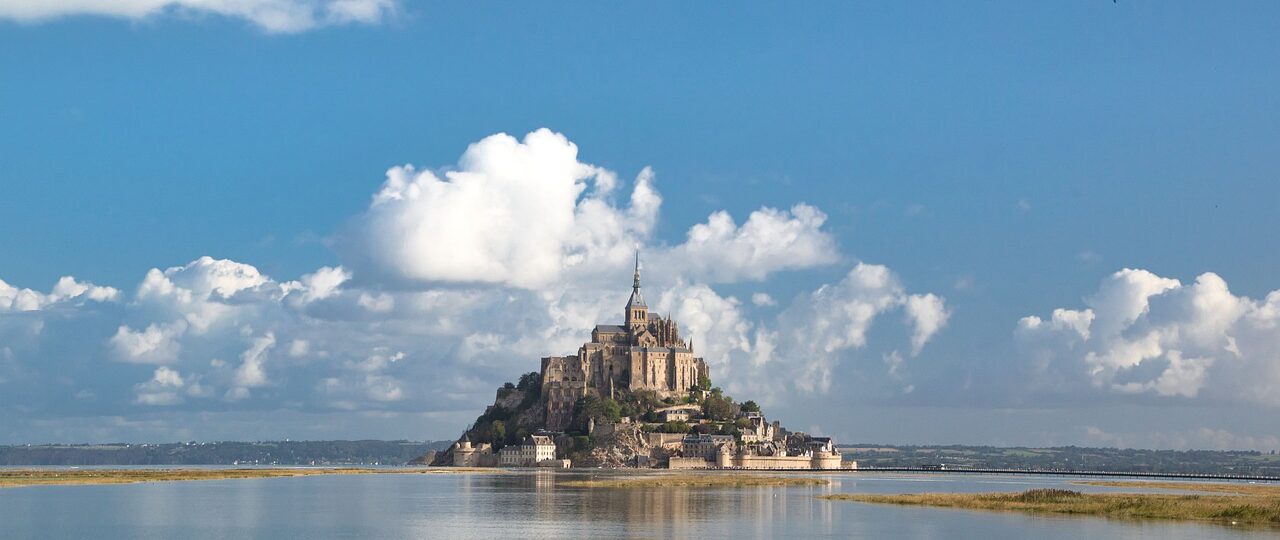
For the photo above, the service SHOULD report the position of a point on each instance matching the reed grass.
(1244, 505)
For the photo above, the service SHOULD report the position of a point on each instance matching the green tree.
(498, 432)
(750, 406)
(674, 427)
(610, 410)
(530, 380)
(719, 408)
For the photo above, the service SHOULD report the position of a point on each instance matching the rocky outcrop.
(616, 446)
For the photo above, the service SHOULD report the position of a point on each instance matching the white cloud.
(762, 299)
(202, 293)
(822, 326)
(1144, 334)
(377, 303)
(528, 214)
(802, 347)
(156, 344)
(275, 16)
(67, 289)
(928, 314)
(318, 285)
(251, 373)
(770, 241)
(162, 389)
(515, 213)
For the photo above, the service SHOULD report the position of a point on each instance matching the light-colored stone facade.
(534, 450)
(645, 353)
(467, 455)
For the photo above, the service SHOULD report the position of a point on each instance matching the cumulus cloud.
(769, 241)
(513, 212)
(1146, 334)
(156, 344)
(162, 389)
(274, 16)
(67, 289)
(928, 314)
(527, 213)
(251, 373)
(834, 319)
(800, 348)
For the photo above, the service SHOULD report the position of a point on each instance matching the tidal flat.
(698, 481)
(53, 477)
(1223, 503)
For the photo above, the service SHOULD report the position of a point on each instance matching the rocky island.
(636, 395)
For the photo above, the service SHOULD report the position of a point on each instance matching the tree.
(719, 408)
(497, 432)
(674, 427)
(704, 383)
(750, 406)
(610, 410)
(530, 383)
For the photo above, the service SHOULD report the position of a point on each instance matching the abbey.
(645, 353)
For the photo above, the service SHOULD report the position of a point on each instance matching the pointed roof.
(636, 300)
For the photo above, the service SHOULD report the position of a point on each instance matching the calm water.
(533, 505)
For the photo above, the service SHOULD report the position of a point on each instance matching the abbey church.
(645, 353)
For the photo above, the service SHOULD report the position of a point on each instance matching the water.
(534, 504)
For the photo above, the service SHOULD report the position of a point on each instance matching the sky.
(1002, 223)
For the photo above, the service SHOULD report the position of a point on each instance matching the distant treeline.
(222, 453)
(1068, 458)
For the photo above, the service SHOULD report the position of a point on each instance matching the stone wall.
(662, 439)
(818, 462)
(685, 463)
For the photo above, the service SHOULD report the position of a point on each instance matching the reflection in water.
(532, 504)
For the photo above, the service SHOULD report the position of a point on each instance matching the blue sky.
(1007, 158)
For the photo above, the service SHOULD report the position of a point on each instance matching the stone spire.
(635, 283)
(637, 314)
(636, 300)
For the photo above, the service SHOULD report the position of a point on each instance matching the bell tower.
(637, 315)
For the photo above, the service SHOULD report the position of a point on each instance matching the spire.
(636, 300)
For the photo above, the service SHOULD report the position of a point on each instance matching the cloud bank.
(1143, 334)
